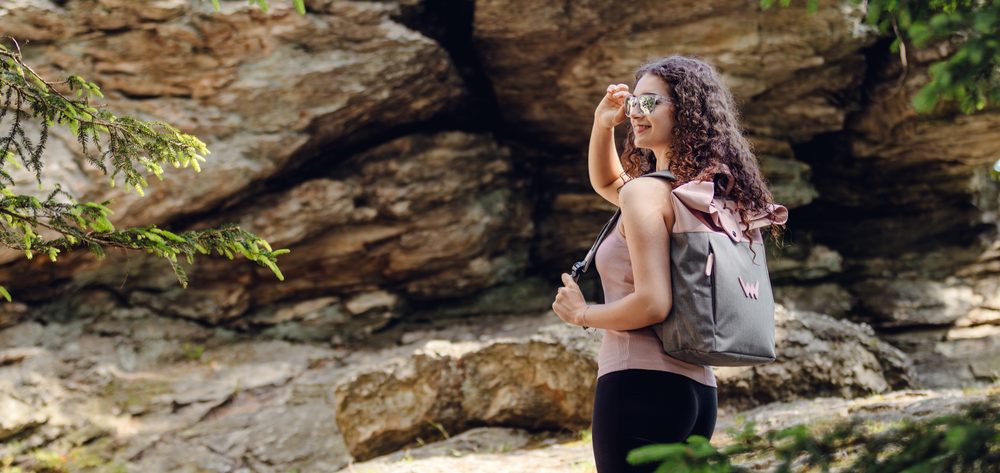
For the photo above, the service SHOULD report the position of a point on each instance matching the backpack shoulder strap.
(665, 174)
(583, 265)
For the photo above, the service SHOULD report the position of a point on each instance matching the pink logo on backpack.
(749, 290)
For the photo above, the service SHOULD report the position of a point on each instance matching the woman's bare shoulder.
(646, 187)
(651, 193)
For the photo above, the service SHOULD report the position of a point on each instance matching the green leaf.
(939, 21)
(167, 234)
(874, 13)
(96, 91)
(39, 82)
(4, 293)
(653, 453)
(300, 6)
(246, 254)
(945, 77)
(955, 437)
(975, 53)
(101, 207)
(154, 237)
(904, 19)
(273, 268)
(102, 224)
(919, 33)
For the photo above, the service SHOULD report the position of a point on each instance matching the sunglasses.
(644, 103)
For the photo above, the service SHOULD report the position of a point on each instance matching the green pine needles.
(299, 5)
(133, 148)
(965, 442)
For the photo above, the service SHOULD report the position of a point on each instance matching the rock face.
(906, 201)
(355, 136)
(127, 388)
(18, 415)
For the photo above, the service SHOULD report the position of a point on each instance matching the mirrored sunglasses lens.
(629, 104)
(647, 103)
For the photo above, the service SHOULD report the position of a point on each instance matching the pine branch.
(85, 225)
(131, 144)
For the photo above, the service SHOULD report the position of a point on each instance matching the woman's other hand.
(569, 304)
(611, 110)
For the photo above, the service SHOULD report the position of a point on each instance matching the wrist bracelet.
(585, 327)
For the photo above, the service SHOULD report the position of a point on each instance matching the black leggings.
(636, 407)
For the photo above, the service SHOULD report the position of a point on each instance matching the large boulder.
(530, 376)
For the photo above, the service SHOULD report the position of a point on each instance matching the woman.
(683, 119)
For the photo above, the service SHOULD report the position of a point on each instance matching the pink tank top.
(639, 348)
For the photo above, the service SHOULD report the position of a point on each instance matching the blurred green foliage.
(966, 441)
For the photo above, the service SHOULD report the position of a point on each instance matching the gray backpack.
(723, 305)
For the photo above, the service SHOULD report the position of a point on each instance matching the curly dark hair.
(707, 137)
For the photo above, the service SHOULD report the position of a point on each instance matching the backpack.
(723, 305)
